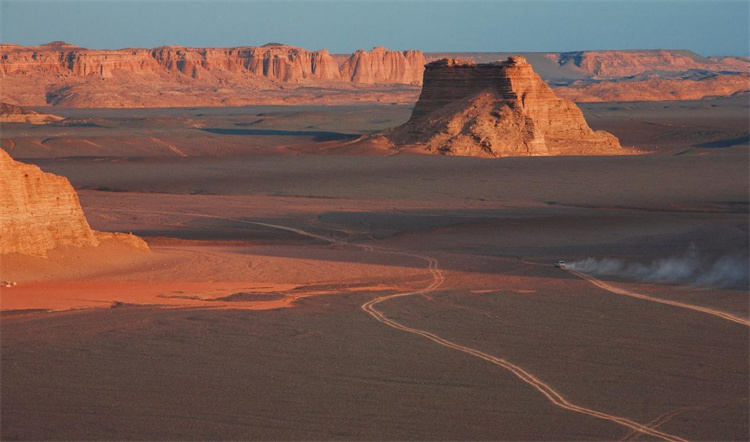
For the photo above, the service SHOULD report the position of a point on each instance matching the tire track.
(619, 291)
(438, 278)
(553, 396)
(666, 417)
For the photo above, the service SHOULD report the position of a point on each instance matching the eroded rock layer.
(40, 211)
(383, 66)
(67, 75)
(495, 110)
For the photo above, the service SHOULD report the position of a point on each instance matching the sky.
(708, 27)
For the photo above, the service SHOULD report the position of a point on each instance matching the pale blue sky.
(707, 27)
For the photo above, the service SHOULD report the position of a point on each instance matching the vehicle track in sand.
(438, 278)
(618, 291)
(666, 417)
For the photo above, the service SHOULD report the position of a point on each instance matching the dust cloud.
(729, 271)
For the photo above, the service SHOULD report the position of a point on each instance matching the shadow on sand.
(317, 135)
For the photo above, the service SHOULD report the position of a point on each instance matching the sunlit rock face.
(496, 110)
(40, 211)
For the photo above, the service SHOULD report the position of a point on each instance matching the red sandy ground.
(296, 357)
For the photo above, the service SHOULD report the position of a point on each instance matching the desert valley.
(276, 243)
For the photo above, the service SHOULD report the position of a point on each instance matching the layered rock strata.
(40, 211)
(381, 66)
(495, 110)
(277, 62)
(173, 76)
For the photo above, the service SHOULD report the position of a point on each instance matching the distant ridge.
(60, 73)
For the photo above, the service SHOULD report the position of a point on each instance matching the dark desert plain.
(306, 283)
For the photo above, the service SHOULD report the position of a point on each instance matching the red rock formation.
(496, 110)
(40, 211)
(383, 66)
(656, 88)
(278, 62)
(61, 74)
(613, 64)
(17, 114)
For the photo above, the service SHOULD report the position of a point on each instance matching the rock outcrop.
(40, 211)
(381, 66)
(495, 110)
(17, 114)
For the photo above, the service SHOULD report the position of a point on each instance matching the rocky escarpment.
(495, 110)
(617, 64)
(17, 114)
(40, 211)
(690, 85)
(62, 74)
(383, 66)
(274, 61)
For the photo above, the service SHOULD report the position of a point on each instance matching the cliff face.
(40, 211)
(383, 66)
(495, 110)
(66, 75)
(274, 61)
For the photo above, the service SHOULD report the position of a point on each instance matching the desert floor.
(269, 307)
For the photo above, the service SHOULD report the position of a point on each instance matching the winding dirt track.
(619, 291)
(552, 395)
(437, 280)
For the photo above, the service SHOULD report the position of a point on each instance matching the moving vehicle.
(560, 264)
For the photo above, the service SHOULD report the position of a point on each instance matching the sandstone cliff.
(40, 211)
(62, 74)
(172, 76)
(495, 110)
(17, 114)
(277, 62)
(383, 66)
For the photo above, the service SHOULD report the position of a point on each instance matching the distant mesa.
(10, 113)
(496, 110)
(66, 75)
(62, 74)
(40, 211)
